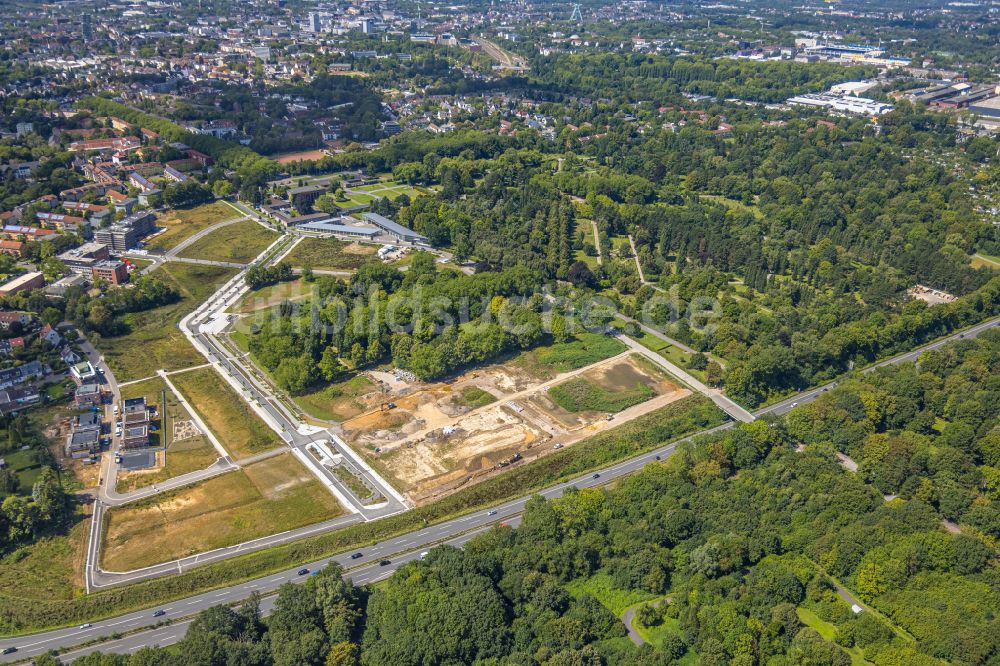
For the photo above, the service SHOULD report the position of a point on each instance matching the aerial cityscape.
(507, 333)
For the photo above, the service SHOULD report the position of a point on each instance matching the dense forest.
(743, 548)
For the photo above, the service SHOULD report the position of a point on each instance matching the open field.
(182, 223)
(440, 437)
(154, 340)
(828, 632)
(287, 158)
(666, 424)
(546, 361)
(390, 190)
(985, 261)
(264, 498)
(612, 388)
(187, 449)
(49, 570)
(232, 421)
(341, 400)
(271, 296)
(238, 243)
(330, 254)
(602, 587)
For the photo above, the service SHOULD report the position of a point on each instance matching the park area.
(182, 223)
(264, 498)
(187, 448)
(226, 414)
(432, 439)
(238, 243)
(153, 340)
(330, 254)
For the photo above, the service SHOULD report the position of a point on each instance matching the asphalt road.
(397, 549)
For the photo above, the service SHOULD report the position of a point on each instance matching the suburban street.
(399, 549)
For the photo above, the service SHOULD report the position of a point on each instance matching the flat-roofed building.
(34, 280)
(394, 229)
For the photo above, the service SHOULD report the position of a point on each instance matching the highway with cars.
(148, 630)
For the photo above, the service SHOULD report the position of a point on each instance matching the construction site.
(432, 439)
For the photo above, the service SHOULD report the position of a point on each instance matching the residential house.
(88, 395)
(84, 438)
(19, 375)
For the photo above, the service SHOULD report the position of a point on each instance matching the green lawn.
(154, 341)
(828, 631)
(601, 587)
(183, 223)
(330, 254)
(240, 430)
(473, 397)
(337, 401)
(23, 464)
(238, 243)
(980, 260)
(586, 348)
(580, 394)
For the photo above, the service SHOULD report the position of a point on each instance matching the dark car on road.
(356, 556)
(303, 572)
(596, 476)
(9, 650)
(384, 563)
(159, 613)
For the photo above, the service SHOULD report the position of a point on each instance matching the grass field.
(601, 587)
(239, 429)
(337, 401)
(330, 254)
(154, 340)
(547, 361)
(183, 223)
(473, 397)
(984, 260)
(182, 456)
(48, 570)
(237, 243)
(580, 394)
(668, 423)
(272, 295)
(23, 464)
(828, 631)
(264, 498)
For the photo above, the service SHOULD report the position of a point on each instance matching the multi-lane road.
(145, 629)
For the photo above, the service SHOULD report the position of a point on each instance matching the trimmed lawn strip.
(239, 429)
(237, 243)
(154, 341)
(691, 414)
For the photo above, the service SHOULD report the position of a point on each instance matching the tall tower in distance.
(577, 15)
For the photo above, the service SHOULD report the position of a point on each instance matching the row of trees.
(730, 550)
